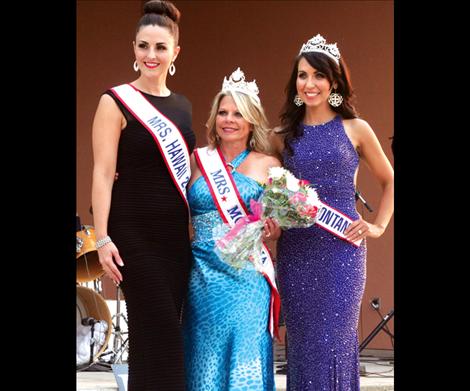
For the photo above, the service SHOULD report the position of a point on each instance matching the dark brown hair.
(163, 14)
(292, 115)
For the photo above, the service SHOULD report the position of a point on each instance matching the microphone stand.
(92, 342)
(90, 322)
(359, 197)
(374, 332)
(387, 317)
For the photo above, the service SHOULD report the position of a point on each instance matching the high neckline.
(155, 96)
(323, 123)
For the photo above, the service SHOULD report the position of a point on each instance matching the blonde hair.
(252, 112)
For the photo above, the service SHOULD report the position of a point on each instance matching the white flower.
(312, 196)
(276, 172)
(292, 183)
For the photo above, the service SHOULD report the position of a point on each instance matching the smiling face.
(313, 87)
(154, 50)
(229, 122)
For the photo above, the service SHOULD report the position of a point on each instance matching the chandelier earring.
(298, 102)
(335, 99)
(172, 69)
(136, 66)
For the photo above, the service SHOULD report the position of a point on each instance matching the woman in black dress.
(141, 219)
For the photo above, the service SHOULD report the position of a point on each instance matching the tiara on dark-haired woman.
(318, 44)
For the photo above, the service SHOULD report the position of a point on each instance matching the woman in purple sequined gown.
(321, 276)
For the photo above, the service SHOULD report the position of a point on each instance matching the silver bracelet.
(103, 242)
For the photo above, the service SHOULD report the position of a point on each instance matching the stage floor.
(376, 375)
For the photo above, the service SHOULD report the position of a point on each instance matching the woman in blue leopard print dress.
(228, 345)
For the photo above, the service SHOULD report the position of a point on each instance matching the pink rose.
(298, 198)
(311, 210)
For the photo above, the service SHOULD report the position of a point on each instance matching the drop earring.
(136, 66)
(298, 102)
(172, 69)
(335, 99)
(252, 143)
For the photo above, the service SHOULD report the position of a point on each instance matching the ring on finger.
(360, 232)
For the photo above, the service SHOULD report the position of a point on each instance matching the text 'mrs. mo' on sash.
(231, 208)
(335, 222)
(165, 133)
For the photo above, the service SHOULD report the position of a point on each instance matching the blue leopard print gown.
(227, 343)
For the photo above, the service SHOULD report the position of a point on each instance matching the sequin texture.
(321, 277)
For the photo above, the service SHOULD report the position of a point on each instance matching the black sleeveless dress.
(148, 222)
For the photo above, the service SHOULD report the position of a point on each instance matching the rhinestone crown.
(318, 44)
(236, 82)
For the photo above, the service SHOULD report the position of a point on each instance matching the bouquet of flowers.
(293, 203)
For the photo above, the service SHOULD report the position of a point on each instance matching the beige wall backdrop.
(263, 38)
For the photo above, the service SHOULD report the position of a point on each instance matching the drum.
(88, 265)
(91, 304)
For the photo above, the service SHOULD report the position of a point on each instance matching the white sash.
(335, 222)
(165, 133)
(231, 208)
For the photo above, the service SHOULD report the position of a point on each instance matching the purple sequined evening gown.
(322, 277)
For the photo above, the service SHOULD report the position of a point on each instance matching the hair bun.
(162, 8)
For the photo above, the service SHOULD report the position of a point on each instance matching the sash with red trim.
(335, 222)
(231, 208)
(165, 133)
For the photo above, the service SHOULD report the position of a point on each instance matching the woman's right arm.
(106, 131)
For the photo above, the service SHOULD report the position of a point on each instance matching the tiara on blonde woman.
(236, 82)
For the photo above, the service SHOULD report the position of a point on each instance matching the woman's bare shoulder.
(358, 124)
(265, 160)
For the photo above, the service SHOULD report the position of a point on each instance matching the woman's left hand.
(272, 231)
(360, 228)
